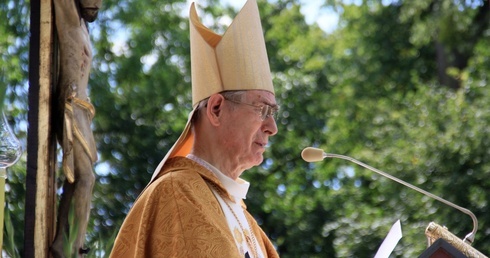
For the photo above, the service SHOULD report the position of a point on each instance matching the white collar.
(237, 188)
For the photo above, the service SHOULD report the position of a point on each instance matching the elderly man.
(193, 206)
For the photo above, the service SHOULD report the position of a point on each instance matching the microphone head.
(310, 154)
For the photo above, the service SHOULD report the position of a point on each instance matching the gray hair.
(232, 95)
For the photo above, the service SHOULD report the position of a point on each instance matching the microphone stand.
(469, 238)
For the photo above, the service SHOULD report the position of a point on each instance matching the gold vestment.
(179, 216)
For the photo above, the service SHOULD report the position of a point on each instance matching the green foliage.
(14, 208)
(375, 89)
(14, 61)
(70, 238)
(2, 96)
(9, 244)
(13, 47)
(103, 245)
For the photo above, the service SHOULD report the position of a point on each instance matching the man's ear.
(214, 109)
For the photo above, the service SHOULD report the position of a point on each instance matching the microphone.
(310, 154)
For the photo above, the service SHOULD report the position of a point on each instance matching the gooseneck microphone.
(311, 154)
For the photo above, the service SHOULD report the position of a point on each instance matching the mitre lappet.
(236, 60)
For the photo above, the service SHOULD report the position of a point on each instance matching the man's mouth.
(261, 144)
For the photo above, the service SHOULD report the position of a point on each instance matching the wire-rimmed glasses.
(265, 110)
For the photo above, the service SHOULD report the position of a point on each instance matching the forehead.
(261, 96)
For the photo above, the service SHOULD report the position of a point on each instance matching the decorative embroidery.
(171, 231)
(249, 237)
(238, 236)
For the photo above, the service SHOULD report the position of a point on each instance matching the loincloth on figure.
(78, 115)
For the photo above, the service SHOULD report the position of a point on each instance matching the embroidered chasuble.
(183, 214)
(233, 210)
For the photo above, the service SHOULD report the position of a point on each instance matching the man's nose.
(270, 126)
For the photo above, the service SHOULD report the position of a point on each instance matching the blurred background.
(399, 85)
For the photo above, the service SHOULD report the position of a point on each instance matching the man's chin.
(259, 160)
(255, 162)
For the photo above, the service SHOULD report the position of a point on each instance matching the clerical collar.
(237, 188)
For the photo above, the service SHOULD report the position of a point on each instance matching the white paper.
(390, 241)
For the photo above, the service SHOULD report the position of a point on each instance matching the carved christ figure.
(74, 115)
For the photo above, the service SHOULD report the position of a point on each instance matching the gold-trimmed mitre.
(235, 61)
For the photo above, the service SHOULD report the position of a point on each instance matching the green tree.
(14, 60)
(400, 85)
(389, 106)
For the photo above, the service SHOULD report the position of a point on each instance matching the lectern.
(444, 244)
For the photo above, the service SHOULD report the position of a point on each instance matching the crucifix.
(73, 117)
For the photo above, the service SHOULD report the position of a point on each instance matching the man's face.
(245, 134)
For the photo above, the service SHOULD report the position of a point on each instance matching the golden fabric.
(178, 216)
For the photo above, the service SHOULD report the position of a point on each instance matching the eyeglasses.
(264, 110)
